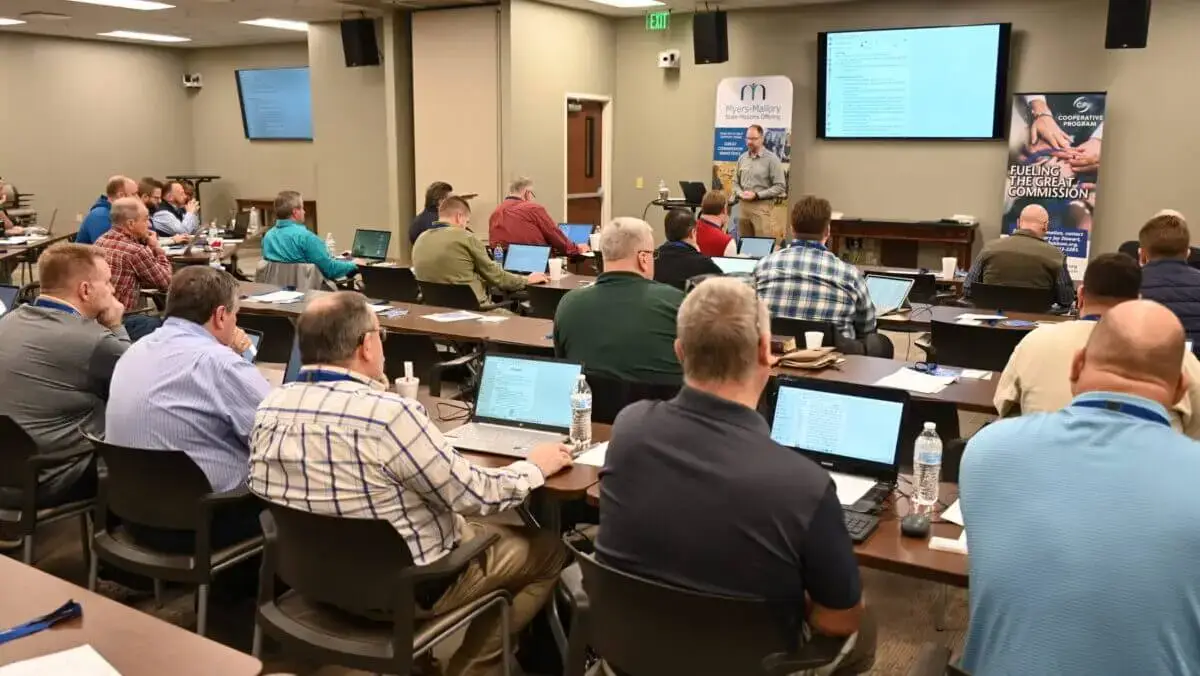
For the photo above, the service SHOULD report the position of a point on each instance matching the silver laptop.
(523, 401)
(888, 293)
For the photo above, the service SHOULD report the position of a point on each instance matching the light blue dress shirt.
(180, 389)
(166, 223)
(1083, 527)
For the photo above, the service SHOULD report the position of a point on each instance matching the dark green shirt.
(622, 326)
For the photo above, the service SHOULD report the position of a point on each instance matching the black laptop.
(693, 191)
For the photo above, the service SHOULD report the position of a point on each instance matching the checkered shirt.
(807, 281)
(134, 265)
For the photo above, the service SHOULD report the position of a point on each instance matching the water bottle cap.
(930, 427)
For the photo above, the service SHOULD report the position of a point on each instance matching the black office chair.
(611, 394)
(646, 628)
(543, 301)
(343, 571)
(973, 347)
(1013, 298)
(457, 296)
(388, 283)
(163, 490)
(29, 293)
(796, 328)
(934, 660)
(20, 464)
(945, 416)
(279, 333)
(432, 366)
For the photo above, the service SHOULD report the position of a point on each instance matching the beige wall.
(248, 169)
(552, 52)
(664, 121)
(73, 112)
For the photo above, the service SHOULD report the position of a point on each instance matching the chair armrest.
(42, 460)
(570, 581)
(461, 360)
(453, 562)
(817, 652)
(214, 500)
(932, 660)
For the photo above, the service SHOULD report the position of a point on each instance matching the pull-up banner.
(1055, 143)
(741, 102)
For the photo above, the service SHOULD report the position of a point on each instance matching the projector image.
(668, 59)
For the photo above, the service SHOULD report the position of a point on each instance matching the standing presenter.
(757, 181)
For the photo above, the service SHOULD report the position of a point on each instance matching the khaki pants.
(757, 219)
(526, 563)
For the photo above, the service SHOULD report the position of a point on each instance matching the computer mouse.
(915, 526)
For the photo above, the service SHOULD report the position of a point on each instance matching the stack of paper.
(975, 319)
(593, 456)
(280, 297)
(915, 381)
(850, 488)
(976, 374)
(953, 513)
(81, 661)
(13, 240)
(456, 316)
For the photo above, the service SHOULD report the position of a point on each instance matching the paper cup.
(556, 268)
(407, 387)
(949, 265)
(594, 241)
(812, 339)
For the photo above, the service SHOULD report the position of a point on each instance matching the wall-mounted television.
(942, 82)
(276, 104)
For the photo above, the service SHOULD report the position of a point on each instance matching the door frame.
(606, 151)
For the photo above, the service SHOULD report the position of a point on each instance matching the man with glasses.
(757, 182)
(623, 326)
(520, 220)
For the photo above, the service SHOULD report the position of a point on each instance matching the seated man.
(341, 416)
(290, 241)
(623, 326)
(678, 259)
(1037, 377)
(175, 214)
(9, 228)
(136, 259)
(57, 355)
(150, 191)
(711, 237)
(1079, 520)
(434, 194)
(448, 254)
(98, 221)
(807, 281)
(1166, 276)
(520, 220)
(694, 492)
(1024, 259)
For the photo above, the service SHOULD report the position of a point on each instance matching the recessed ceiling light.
(144, 5)
(10, 22)
(148, 37)
(282, 24)
(630, 4)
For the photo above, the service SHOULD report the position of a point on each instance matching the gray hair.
(623, 237)
(720, 326)
(331, 328)
(125, 209)
(286, 202)
(198, 290)
(520, 184)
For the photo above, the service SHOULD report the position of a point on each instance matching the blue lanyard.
(42, 301)
(67, 611)
(319, 376)
(809, 244)
(1128, 409)
(1090, 318)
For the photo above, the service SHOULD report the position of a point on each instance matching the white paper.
(230, 241)
(850, 488)
(968, 322)
(980, 317)
(493, 319)
(80, 661)
(376, 307)
(952, 545)
(593, 456)
(278, 297)
(953, 514)
(174, 250)
(976, 374)
(385, 264)
(13, 240)
(915, 381)
(456, 316)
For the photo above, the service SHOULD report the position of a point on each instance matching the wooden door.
(585, 190)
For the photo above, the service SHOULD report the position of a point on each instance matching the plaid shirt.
(806, 281)
(134, 265)
(338, 443)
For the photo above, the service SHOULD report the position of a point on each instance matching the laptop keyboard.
(496, 437)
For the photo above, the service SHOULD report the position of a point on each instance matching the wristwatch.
(1047, 114)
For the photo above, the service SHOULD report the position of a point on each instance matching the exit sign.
(658, 21)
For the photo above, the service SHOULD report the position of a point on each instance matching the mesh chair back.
(17, 447)
(610, 395)
(1018, 298)
(458, 296)
(974, 347)
(645, 628)
(396, 284)
(159, 489)
(543, 302)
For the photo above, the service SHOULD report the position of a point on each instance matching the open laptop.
(578, 233)
(852, 430)
(251, 355)
(756, 247)
(241, 226)
(888, 293)
(371, 245)
(735, 266)
(693, 191)
(526, 258)
(523, 401)
(8, 297)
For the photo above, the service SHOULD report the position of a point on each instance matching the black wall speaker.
(710, 37)
(1128, 24)
(358, 43)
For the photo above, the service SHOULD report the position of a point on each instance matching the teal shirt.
(291, 242)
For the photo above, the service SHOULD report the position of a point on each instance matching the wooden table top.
(568, 282)
(199, 254)
(969, 394)
(956, 282)
(13, 250)
(921, 317)
(134, 642)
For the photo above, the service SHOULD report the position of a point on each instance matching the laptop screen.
(292, 373)
(888, 293)
(241, 221)
(371, 244)
(859, 428)
(526, 258)
(8, 297)
(578, 233)
(251, 355)
(756, 247)
(735, 265)
(531, 391)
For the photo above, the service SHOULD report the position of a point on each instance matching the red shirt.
(517, 221)
(711, 239)
(134, 265)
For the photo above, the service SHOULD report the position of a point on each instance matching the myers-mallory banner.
(741, 102)
(1054, 143)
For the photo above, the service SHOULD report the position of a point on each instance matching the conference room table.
(955, 282)
(968, 394)
(133, 642)
(568, 282)
(920, 317)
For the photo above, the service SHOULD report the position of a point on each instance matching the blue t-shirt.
(1084, 536)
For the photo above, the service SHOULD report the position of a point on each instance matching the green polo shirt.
(622, 326)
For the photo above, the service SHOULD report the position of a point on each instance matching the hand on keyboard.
(551, 457)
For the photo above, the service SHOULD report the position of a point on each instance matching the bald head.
(1136, 348)
(1035, 219)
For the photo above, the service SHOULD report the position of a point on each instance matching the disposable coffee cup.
(556, 268)
(407, 387)
(949, 265)
(594, 241)
(812, 339)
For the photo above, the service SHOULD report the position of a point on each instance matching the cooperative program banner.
(741, 102)
(1055, 143)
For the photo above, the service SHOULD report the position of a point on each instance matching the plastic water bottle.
(330, 244)
(663, 191)
(927, 468)
(498, 254)
(581, 414)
